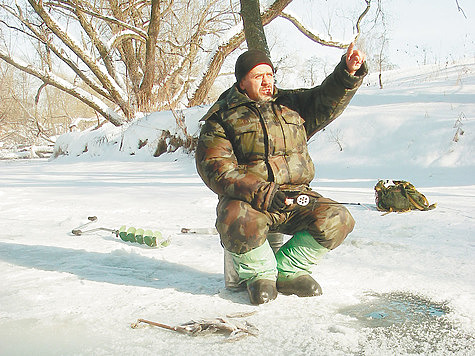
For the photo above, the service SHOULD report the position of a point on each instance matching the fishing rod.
(304, 200)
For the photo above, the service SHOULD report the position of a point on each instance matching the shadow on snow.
(117, 267)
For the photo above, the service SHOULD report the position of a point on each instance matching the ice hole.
(387, 309)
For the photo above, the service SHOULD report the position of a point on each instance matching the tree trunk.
(253, 29)
(150, 63)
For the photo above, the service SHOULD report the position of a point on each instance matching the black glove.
(278, 202)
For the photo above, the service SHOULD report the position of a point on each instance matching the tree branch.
(460, 9)
(127, 51)
(112, 20)
(310, 35)
(39, 36)
(360, 18)
(106, 80)
(101, 47)
(188, 59)
(318, 39)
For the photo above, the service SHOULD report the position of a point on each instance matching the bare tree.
(118, 57)
(381, 59)
(121, 57)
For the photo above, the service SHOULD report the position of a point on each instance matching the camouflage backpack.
(399, 195)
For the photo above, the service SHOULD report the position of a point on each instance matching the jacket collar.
(233, 98)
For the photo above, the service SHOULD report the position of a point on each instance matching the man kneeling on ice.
(252, 152)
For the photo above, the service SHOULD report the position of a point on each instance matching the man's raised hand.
(354, 59)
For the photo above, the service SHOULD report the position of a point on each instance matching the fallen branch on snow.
(225, 325)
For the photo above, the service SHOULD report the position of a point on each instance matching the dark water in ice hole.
(382, 310)
(406, 323)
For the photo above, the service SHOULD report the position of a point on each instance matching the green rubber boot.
(258, 269)
(294, 260)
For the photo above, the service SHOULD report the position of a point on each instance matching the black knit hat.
(249, 60)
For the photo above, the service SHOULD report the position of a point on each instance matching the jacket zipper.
(270, 173)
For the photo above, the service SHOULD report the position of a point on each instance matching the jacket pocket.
(249, 141)
(292, 117)
(245, 126)
(295, 135)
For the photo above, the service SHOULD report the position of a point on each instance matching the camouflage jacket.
(248, 149)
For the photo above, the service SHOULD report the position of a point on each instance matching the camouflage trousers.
(243, 228)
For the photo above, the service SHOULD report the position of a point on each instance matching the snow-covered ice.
(399, 284)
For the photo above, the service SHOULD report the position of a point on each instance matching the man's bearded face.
(258, 83)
